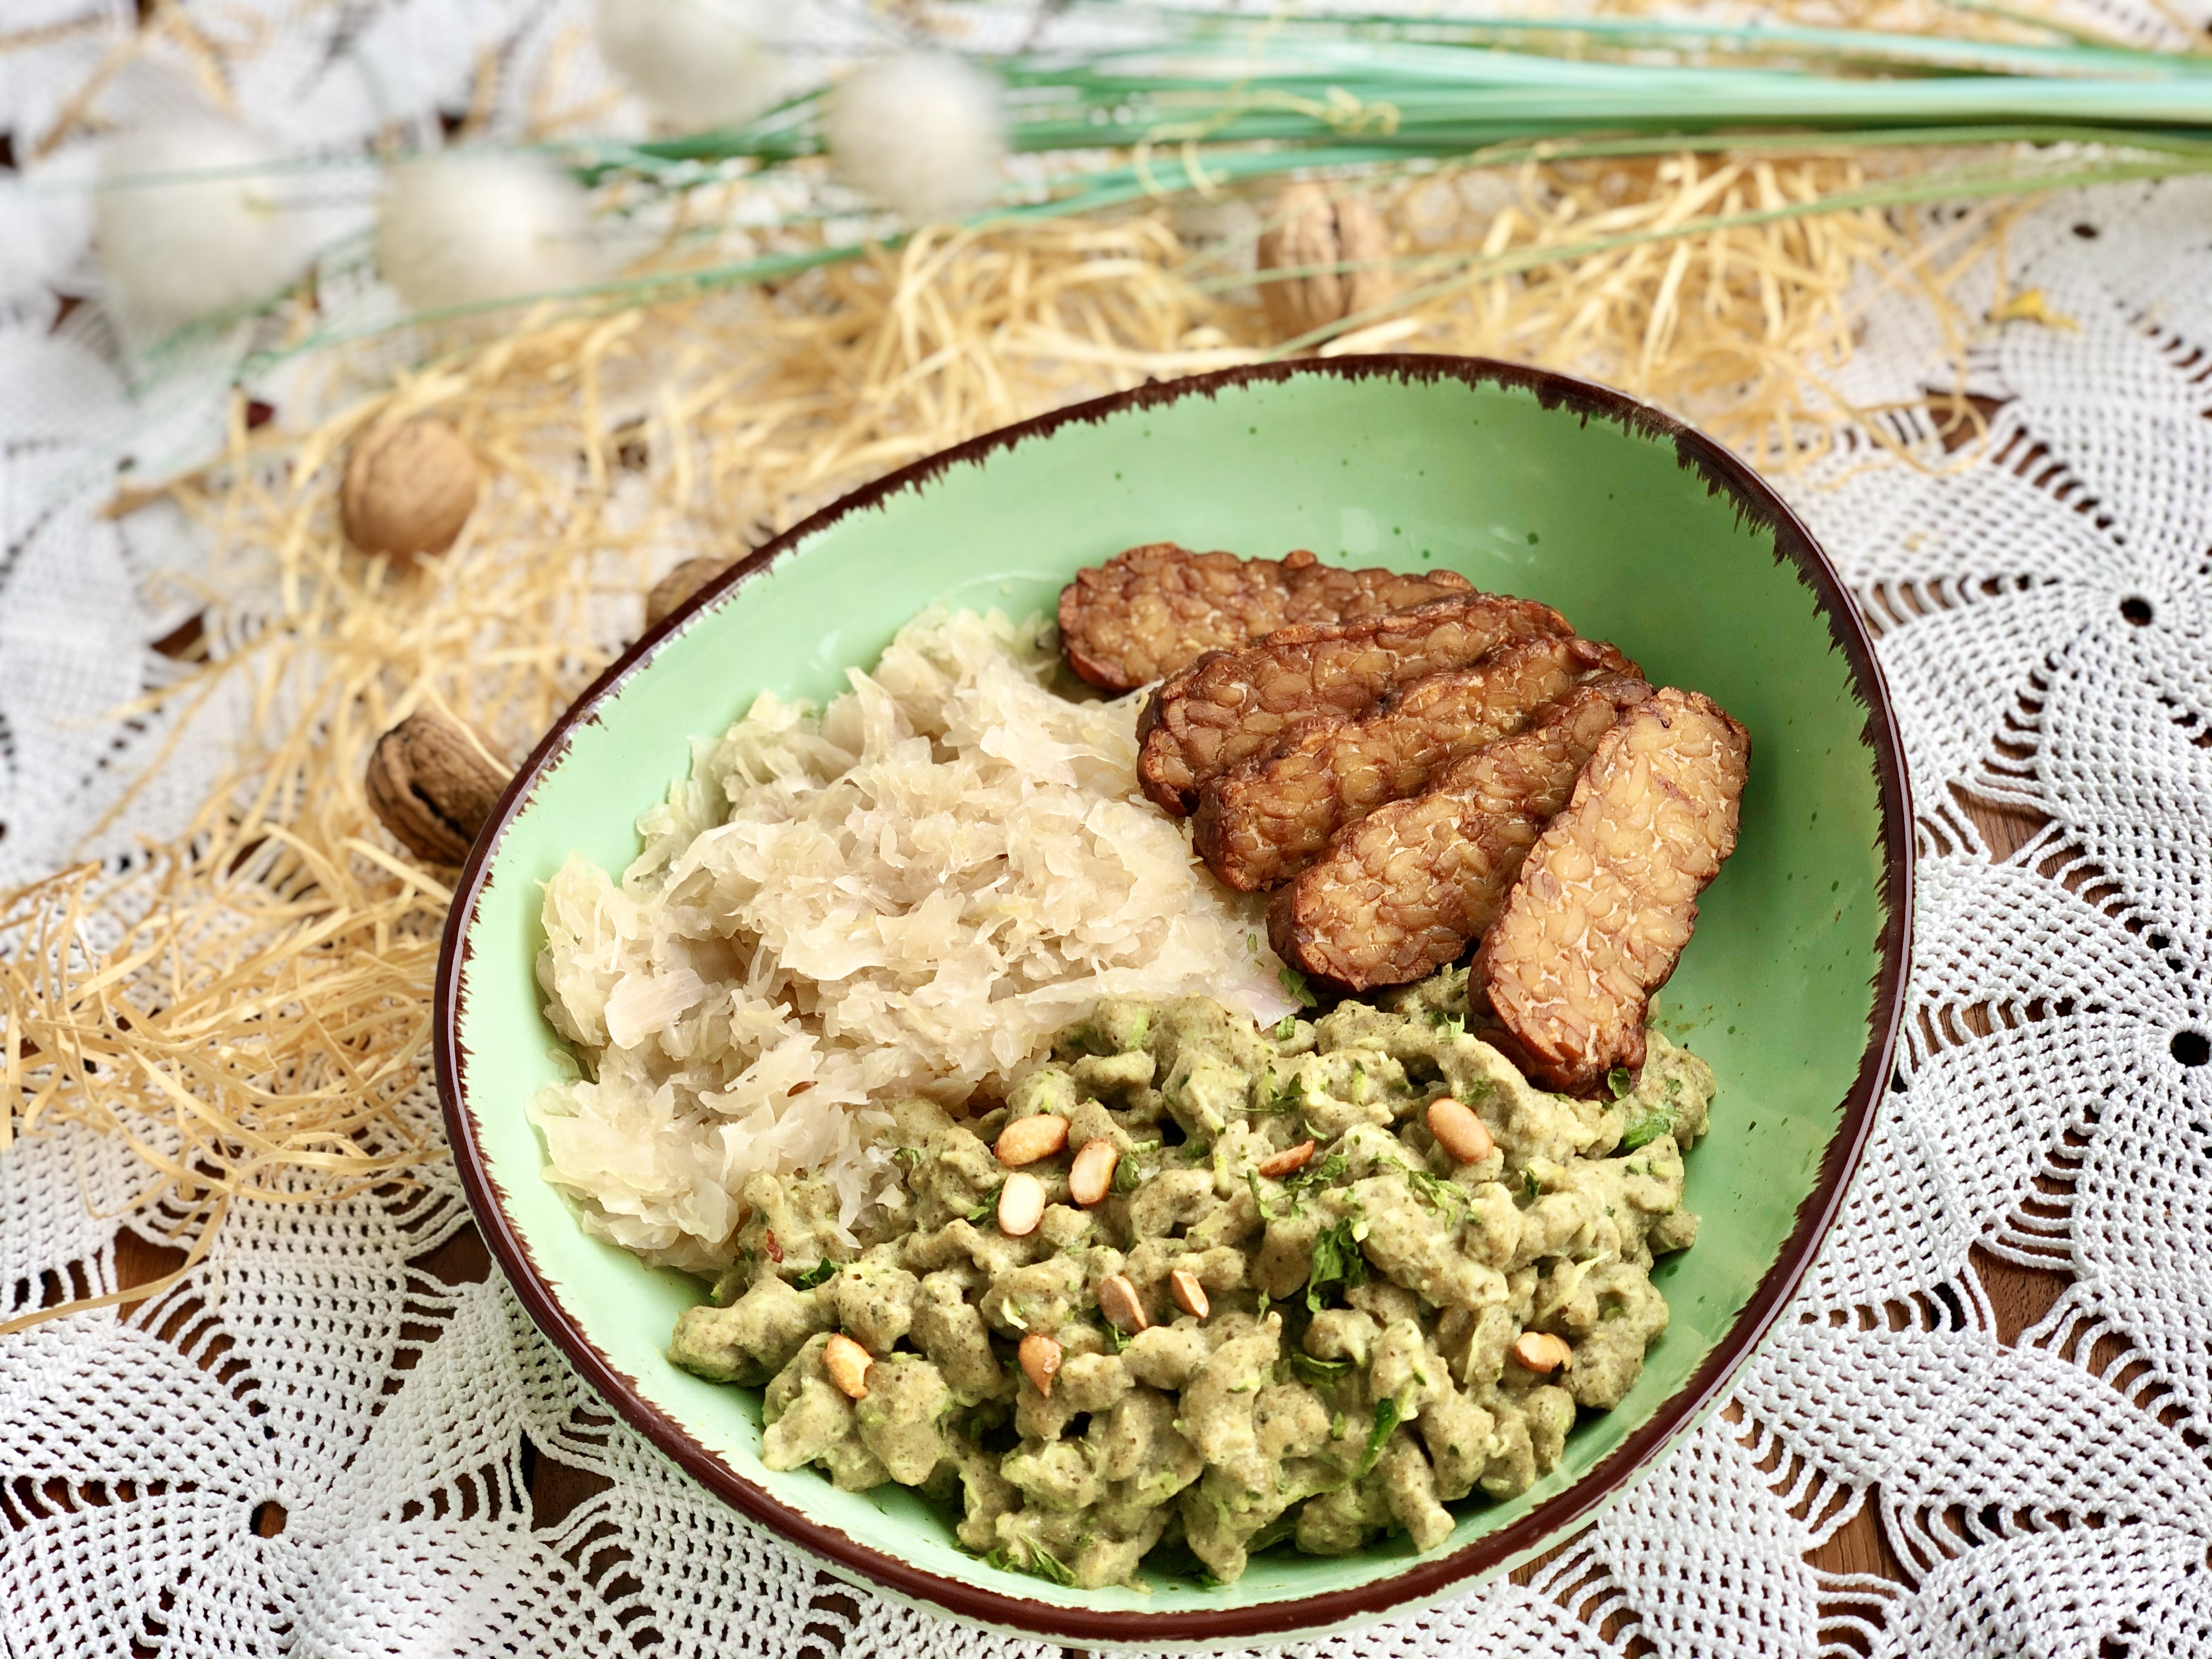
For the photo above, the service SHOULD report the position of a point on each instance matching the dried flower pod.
(1308, 229)
(433, 785)
(667, 595)
(409, 488)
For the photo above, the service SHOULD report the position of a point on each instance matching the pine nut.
(1040, 1356)
(1026, 1139)
(1288, 1163)
(1543, 1352)
(847, 1363)
(1460, 1132)
(1189, 1295)
(1021, 1205)
(1092, 1177)
(1117, 1300)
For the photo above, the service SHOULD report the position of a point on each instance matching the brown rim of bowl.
(1428, 1578)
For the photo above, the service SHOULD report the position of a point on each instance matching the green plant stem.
(1829, 46)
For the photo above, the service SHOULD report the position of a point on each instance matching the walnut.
(409, 488)
(433, 785)
(668, 594)
(1308, 229)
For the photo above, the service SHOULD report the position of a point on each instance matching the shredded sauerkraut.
(906, 895)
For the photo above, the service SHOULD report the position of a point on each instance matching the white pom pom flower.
(189, 223)
(920, 132)
(471, 226)
(695, 63)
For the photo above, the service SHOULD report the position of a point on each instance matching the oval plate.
(1641, 530)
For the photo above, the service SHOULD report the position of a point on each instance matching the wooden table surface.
(2018, 1296)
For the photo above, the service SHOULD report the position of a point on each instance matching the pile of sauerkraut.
(906, 894)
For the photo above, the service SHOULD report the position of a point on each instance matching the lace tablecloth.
(317, 1445)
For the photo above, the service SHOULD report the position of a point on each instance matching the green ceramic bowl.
(1642, 531)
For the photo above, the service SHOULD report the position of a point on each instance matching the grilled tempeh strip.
(1261, 822)
(1231, 705)
(1155, 609)
(1608, 898)
(1407, 889)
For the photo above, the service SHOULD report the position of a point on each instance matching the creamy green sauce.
(1355, 1373)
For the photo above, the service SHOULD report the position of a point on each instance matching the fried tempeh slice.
(1263, 821)
(1231, 705)
(1155, 609)
(1407, 889)
(1608, 898)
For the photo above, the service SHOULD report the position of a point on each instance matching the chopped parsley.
(1037, 1560)
(1386, 1425)
(1530, 1185)
(1434, 1190)
(1127, 1176)
(1259, 1198)
(1644, 1128)
(1325, 1173)
(1294, 984)
(989, 1204)
(1619, 1082)
(1045, 1565)
(1336, 1260)
(1286, 1028)
(820, 1273)
(1318, 1372)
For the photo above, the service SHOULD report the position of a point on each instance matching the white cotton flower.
(188, 221)
(921, 133)
(470, 226)
(695, 63)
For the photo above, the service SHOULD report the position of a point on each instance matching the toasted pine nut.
(847, 1363)
(1092, 1177)
(1543, 1352)
(1459, 1131)
(1288, 1163)
(1117, 1300)
(1040, 1357)
(1189, 1295)
(1026, 1139)
(1021, 1205)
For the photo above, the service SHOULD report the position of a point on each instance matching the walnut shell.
(433, 786)
(1308, 227)
(409, 488)
(667, 595)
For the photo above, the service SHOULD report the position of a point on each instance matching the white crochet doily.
(2042, 614)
